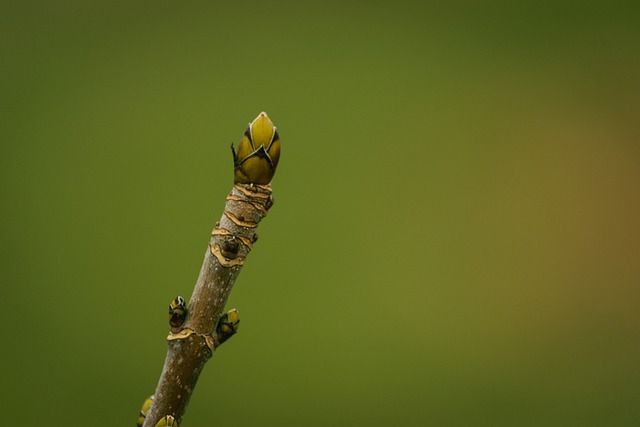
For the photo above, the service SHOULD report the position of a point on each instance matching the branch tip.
(258, 153)
(199, 329)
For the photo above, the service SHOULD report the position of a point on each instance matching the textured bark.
(193, 345)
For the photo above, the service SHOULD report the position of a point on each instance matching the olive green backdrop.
(455, 239)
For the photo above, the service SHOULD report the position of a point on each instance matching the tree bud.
(258, 152)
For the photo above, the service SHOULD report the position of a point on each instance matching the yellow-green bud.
(229, 322)
(144, 411)
(227, 325)
(258, 152)
(167, 421)
(177, 312)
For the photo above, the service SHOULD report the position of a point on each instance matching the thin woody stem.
(193, 345)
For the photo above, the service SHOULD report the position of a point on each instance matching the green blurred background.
(455, 239)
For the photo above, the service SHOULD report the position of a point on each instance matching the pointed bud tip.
(261, 118)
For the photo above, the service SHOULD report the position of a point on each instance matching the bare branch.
(192, 343)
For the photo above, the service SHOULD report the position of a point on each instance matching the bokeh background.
(455, 239)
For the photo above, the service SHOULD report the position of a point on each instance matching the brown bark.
(193, 345)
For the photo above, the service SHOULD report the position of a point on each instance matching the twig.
(192, 344)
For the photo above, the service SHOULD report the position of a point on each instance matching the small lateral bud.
(227, 325)
(167, 421)
(177, 312)
(144, 411)
(230, 247)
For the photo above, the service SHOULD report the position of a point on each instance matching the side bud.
(144, 411)
(227, 325)
(258, 152)
(177, 312)
(167, 421)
